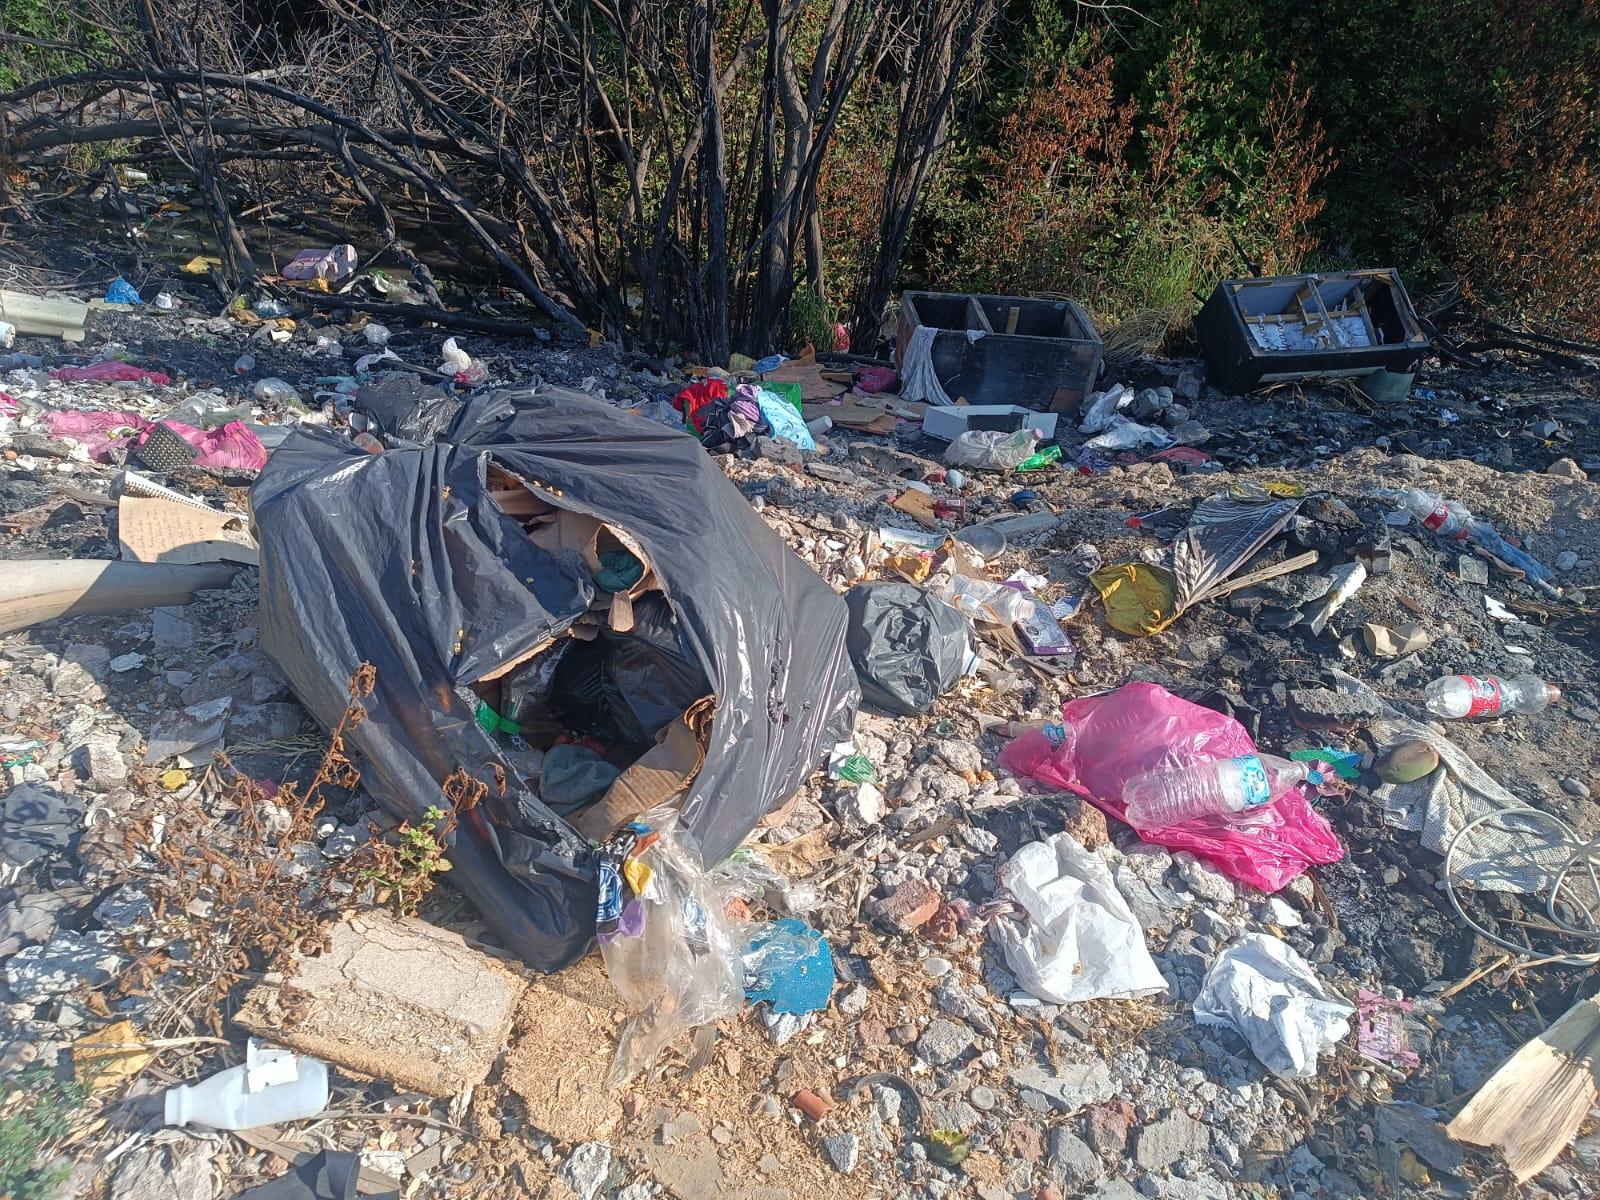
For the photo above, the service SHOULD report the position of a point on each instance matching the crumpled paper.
(1080, 940)
(1264, 991)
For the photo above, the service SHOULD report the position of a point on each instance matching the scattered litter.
(231, 446)
(1394, 641)
(908, 646)
(1381, 1029)
(788, 966)
(332, 264)
(668, 947)
(1534, 1105)
(1264, 991)
(122, 292)
(109, 1055)
(951, 422)
(110, 371)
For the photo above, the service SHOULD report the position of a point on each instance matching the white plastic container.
(271, 1086)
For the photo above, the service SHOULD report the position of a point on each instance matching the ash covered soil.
(1105, 1098)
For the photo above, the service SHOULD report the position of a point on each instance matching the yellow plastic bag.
(1139, 599)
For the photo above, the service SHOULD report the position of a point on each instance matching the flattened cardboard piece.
(154, 529)
(660, 773)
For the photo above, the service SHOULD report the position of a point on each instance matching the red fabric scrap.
(691, 402)
(110, 371)
(873, 380)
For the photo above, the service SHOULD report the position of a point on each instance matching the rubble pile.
(964, 973)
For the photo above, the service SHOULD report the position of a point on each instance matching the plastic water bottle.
(1457, 697)
(1217, 788)
(1431, 512)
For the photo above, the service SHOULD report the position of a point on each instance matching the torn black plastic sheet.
(400, 560)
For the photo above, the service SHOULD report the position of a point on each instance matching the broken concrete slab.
(1069, 1087)
(67, 962)
(193, 731)
(394, 998)
(568, 1017)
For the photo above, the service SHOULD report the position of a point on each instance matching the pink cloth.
(232, 446)
(110, 372)
(1104, 741)
(8, 405)
(876, 379)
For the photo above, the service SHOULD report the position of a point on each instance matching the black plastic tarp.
(399, 560)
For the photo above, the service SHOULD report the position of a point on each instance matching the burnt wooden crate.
(1042, 354)
(1304, 327)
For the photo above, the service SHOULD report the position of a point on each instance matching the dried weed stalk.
(236, 887)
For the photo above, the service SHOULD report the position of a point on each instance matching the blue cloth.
(790, 966)
(770, 363)
(785, 422)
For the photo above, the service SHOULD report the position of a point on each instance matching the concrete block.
(395, 999)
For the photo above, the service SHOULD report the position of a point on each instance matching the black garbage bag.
(403, 408)
(400, 560)
(907, 645)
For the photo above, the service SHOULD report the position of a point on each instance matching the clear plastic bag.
(745, 875)
(993, 450)
(669, 948)
(985, 600)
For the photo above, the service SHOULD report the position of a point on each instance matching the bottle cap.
(1553, 692)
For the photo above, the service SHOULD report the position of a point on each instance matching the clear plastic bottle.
(1458, 697)
(1217, 788)
(1432, 512)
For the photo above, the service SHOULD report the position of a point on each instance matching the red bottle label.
(1436, 518)
(1485, 695)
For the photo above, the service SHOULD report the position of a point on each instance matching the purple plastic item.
(1106, 740)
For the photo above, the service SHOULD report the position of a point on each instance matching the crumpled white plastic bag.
(1264, 991)
(1103, 407)
(1080, 940)
(1124, 433)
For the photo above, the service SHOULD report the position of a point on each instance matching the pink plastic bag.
(110, 371)
(233, 446)
(1104, 741)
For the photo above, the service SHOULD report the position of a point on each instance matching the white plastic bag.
(461, 366)
(1103, 408)
(1080, 940)
(1265, 992)
(1121, 433)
